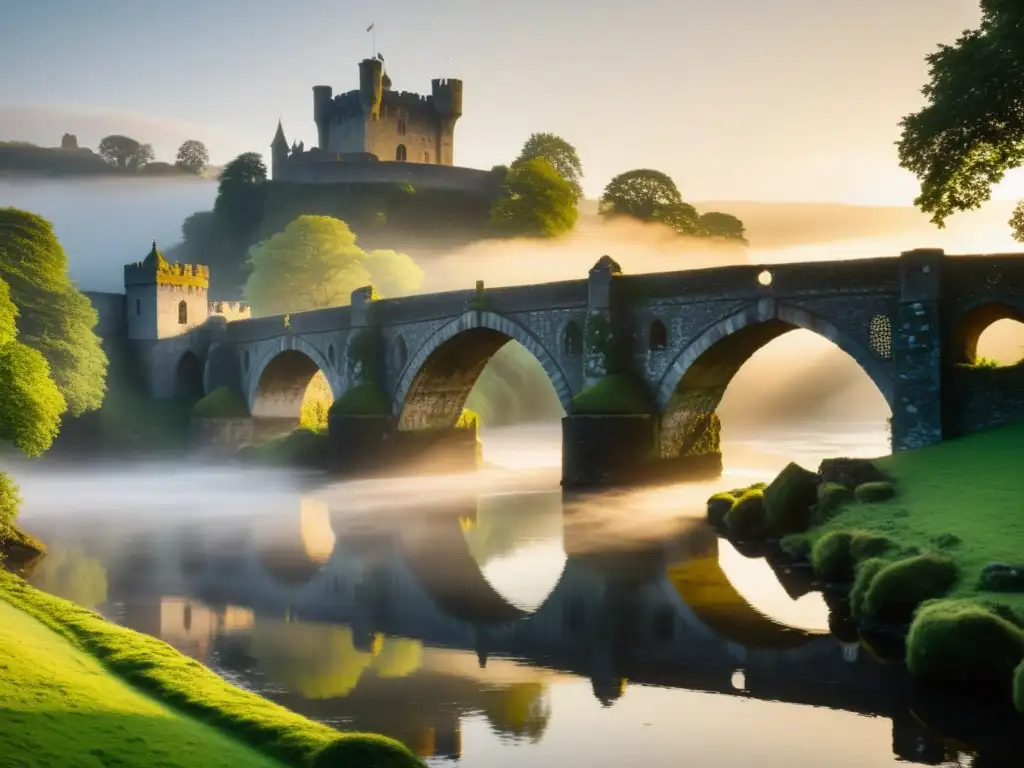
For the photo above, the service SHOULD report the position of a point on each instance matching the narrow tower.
(279, 154)
(164, 299)
(322, 114)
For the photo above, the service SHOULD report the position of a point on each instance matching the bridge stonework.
(911, 323)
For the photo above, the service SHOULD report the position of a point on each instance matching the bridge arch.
(438, 377)
(973, 323)
(188, 375)
(277, 380)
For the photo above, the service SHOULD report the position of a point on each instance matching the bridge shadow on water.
(504, 621)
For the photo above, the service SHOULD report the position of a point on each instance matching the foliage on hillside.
(514, 388)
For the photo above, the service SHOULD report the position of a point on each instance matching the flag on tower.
(370, 28)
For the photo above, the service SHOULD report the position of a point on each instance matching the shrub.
(958, 641)
(746, 517)
(796, 545)
(364, 399)
(10, 500)
(830, 498)
(615, 393)
(1018, 688)
(872, 492)
(221, 403)
(830, 557)
(864, 574)
(365, 750)
(313, 414)
(788, 500)
(900, 587)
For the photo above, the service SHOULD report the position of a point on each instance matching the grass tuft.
(864, 573)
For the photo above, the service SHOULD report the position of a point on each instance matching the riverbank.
(79, 690)
(929, 549)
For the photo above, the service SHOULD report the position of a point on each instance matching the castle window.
(401, 127)
(182, 313)
(400, 153)
(138, 306)
(657, 338)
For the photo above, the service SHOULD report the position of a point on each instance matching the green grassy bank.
(932, 548)
(78, 690)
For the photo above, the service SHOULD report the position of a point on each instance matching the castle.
(379, 135)
(161, 300)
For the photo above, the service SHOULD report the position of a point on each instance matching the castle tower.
(446, 96)
(371, 86)
(322, 114)
(278, 154)
(164, 299)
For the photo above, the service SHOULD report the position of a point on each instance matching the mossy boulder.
(868, 493)
(718, 507)
(1018, 688)
(1002, 577)
(849, 472)
(830, 557)
(796, 545)
(958, 641)
(900, 587)
(864, 573)
(831, 497)
(788, 500)
(745, 519)
(864, 545)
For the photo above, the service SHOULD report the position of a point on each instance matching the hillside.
(24, 160)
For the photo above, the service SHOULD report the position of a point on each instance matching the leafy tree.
(124, 152)
(315, 263)
(192, 156)
(971, 131)
(648, 195)
(722, 225)
(240, 196)
(29, 400)
(561, 155)
(1017, 222)
(54, 317)
(535, 201)
(392, 273)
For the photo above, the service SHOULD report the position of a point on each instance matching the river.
(485, 620)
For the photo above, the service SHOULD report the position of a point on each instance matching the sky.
(774, 100)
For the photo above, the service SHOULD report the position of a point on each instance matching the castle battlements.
(230, 310)
(374, 122)
(155, 269)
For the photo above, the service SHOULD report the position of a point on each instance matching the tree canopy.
(971, 130)
(1017, 222)
(54, 318)
(240, 196)
(652, 196)
(192, 156)
(559, 153)
(124, 152)
(535, 201)
(315, 263)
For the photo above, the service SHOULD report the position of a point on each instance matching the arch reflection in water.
(294, 551)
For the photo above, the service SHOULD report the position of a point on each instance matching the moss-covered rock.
(718, 507)
(868, 493)
(849, 472)
(958, 641)
(614, 394)
(365, 750)
(1002, 577)
(831, 497)
(900, 587)
(864, 573)
(745, 520)
(788, 500)
(796, 545)
(830, 557)
(864, 545)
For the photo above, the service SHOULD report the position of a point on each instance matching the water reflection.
(498, 628)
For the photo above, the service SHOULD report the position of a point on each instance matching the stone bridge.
(654, 353)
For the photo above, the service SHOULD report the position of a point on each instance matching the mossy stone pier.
(639, 362)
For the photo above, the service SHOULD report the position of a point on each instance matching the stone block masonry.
(672, 340)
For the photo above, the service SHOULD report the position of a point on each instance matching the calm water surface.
(485, 620)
